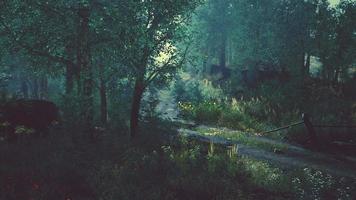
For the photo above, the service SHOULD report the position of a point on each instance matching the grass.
(251, 116)
(159, 165)
(114, 168)
(243, 138)
(304, 183)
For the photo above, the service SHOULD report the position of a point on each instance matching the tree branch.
(47, 8)
(32, 50)
(165, 67)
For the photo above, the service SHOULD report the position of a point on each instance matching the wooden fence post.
(310, 128)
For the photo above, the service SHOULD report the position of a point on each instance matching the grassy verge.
(243, 138)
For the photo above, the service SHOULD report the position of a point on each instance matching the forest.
(177, 99)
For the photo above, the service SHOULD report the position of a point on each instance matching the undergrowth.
(243, 138)
(158, 165)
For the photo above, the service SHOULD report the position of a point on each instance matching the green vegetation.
(242, 138)
(238, 115)
(178, 169)
(94, 94)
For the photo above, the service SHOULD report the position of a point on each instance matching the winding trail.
(293, 157)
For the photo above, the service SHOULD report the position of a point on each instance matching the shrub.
(183, 170)
(208, 111)
(186, 110)
(314, 184)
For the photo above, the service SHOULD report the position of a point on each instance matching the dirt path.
(293, 157)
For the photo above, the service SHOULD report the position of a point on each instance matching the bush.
(187, 91)
(314, 184)
(208, 111)
(187, 110)
(232, 119)
(232, 115)
(183, 170)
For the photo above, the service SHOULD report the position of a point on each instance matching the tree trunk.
(103, 98)
(24, 89)
(336, 75)
(136, 104)
(69, 78)
(70, 69)
(103, 103)
(35, 89)
(338, 69)
(205, 60)
(223, 51)
(301, 64)
(85, 67)
(307, 65)
(44, 87)
(230, 52)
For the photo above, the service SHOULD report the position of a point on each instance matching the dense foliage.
(126, 76)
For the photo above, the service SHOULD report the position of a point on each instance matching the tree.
(345, 38)
(65, 39)
(156, 28)
(335, 38)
